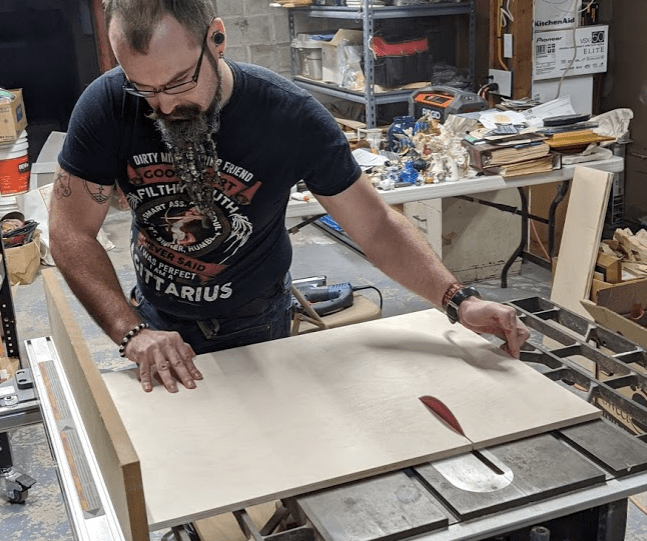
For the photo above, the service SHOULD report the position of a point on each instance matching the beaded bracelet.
(451, 291)
(132, 332)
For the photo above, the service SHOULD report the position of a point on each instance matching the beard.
(186, 124)
(188, 134)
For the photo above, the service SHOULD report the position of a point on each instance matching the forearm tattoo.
(62, 185)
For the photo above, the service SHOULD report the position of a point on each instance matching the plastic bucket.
(14, 167)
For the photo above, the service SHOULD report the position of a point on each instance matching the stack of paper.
(539, 165)
(510, 156)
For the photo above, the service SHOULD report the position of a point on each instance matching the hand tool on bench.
(327, 299)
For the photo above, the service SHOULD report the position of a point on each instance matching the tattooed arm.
(77, 210)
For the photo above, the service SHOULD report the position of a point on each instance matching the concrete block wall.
(256, 33)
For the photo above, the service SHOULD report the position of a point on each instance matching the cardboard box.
(551, 15)
(613, 304)
(554, 52)
(13, 119)
(334, 56)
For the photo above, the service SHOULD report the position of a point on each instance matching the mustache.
(181, 112)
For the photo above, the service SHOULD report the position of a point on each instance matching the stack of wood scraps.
(631, 250)
(620, 260)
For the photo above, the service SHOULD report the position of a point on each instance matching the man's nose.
(165, 103)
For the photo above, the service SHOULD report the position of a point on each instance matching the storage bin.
(400, 62)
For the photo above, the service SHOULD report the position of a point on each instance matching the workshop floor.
(43, 516)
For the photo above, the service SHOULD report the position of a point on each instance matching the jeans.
(215, 335)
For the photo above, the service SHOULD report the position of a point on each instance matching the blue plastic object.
(409, 173)
(400, 123)
(327, 220)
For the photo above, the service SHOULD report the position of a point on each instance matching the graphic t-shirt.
(272, 134)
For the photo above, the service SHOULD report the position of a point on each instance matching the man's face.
(172, 58)
(185, 120)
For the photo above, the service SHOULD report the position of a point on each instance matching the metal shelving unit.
(367, 17)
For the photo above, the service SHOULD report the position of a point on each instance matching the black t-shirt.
(272, 134)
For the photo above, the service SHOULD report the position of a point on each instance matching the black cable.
(360, 288)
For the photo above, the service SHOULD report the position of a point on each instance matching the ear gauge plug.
(218, 38)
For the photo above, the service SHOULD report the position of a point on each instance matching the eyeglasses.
(170, 89)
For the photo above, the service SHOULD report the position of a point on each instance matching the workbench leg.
(559, 197)
(613, 521)
(6, 460)
(524, 238)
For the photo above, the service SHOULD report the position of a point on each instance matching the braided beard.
(187, 133)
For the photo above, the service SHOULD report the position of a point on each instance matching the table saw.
(571, 482)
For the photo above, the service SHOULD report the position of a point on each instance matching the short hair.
(140, 17)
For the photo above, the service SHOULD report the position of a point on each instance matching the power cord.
(501, 22)
(570, 65)
(487, 88)
(360, 288)
(577, 11)
(506, 14)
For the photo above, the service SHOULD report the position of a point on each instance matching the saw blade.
(442, 411)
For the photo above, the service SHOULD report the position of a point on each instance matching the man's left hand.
(485, 317)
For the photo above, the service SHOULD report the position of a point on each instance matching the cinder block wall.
(256, 33)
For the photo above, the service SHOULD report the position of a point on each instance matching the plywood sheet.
(285, 417)
(581, 237)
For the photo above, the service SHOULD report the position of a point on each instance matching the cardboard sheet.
(312, 411)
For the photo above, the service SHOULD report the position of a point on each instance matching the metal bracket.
(268, 532)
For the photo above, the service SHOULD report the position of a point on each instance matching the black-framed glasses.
(171, 89)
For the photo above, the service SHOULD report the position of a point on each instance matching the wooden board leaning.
(581, 238)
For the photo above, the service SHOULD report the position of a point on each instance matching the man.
(206, 151)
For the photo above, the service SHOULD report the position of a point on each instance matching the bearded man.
(213, 145)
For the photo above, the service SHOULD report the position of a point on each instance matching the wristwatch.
(452, 306)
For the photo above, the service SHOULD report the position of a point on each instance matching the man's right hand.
(165, 356)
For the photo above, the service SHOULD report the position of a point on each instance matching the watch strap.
(452, 306)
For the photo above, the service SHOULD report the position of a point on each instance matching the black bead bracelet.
(132, 332)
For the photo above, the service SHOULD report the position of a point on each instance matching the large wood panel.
(581, 238)
(282, 418)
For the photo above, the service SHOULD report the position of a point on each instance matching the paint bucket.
(14, 167)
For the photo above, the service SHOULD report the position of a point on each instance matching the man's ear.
(217, 36)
